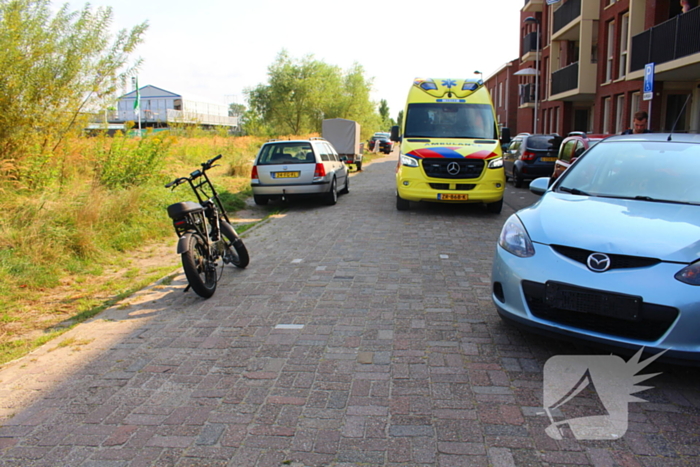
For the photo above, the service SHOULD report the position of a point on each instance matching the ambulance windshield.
(453, 120)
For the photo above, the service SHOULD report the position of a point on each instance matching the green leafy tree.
(57, 67)
(236, 110)
(300, 94)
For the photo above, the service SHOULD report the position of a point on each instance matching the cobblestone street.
(358, 336)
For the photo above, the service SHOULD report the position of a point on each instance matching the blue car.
(610, 254)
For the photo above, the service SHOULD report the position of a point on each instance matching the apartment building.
(582, 65)
(503, 86)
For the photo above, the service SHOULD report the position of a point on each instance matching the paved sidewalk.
(358, 335)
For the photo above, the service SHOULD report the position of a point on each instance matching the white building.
(160, 107)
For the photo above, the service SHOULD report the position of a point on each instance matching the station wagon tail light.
(320, 171)
(254, 173)
(528, 156)
(689, 274)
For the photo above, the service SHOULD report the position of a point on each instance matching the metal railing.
(526, 93)
(565, 79)
(672, 39)
(566, 13)
(530, 43)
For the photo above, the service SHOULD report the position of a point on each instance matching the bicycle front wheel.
(235, 251)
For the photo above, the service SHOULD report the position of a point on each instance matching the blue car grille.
(616, 261)
(652, 323)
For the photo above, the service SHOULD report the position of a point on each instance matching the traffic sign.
(648, 82)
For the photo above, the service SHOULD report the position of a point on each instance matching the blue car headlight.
(408, 161)
(689, 274)
(514, 238)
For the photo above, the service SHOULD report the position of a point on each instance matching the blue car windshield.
(648, 171)
(450, 120)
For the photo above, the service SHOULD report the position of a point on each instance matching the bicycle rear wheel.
(200, 272)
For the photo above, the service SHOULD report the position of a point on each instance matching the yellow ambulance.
(450, 145)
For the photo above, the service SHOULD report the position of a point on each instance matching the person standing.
(640, 124)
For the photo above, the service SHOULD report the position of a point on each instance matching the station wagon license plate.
(452, 197)
(285, 174)
(597, 302)
(548, 159)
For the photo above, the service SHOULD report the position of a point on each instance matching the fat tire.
(201, 277)
(402, 204)
(260, 200)
(495, 208)
(236, 252)
(332, 196)
(358, 165)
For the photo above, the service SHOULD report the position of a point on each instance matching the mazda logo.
(453, 168)
(598, 262)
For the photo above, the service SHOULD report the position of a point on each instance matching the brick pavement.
(398, 359)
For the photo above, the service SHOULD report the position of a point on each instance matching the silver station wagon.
(300, 168)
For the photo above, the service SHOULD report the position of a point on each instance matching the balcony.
(529, 45)
(565, 14)
(526, 94)
(533, 6)
(565, 79)
(676, 38)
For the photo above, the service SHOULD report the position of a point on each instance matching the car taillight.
(320, 171)
(254, 173)
(528, 156)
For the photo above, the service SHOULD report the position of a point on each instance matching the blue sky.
(215, 48)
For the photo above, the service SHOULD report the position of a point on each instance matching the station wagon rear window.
(286, 153)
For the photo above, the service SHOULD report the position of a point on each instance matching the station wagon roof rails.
(317, 138)
(577, 133)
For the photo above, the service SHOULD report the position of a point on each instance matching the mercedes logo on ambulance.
(598, 262)
(453, 168)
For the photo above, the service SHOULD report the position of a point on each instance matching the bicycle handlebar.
(205, 166)
(208, 164)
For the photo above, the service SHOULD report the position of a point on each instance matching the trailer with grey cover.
(344, 135)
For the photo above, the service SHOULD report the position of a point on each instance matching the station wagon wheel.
(332, 195)
(346, 188)
(260, 200)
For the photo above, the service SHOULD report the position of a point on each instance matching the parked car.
(287, 169)
(571, 148)
(610, 254)
(530, 156)
(385, 144)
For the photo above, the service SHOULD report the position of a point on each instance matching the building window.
(611, 51)
(624, 30)
(619, 112)
(635, 101)
(556, 120)
(606, 115)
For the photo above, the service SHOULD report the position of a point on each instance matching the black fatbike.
(207, 238)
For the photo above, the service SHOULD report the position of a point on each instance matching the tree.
(56, 67)
(387, 121)
(236, 110)
(301, 93)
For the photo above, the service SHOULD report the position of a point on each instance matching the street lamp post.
(481, 75)
(532, 19)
